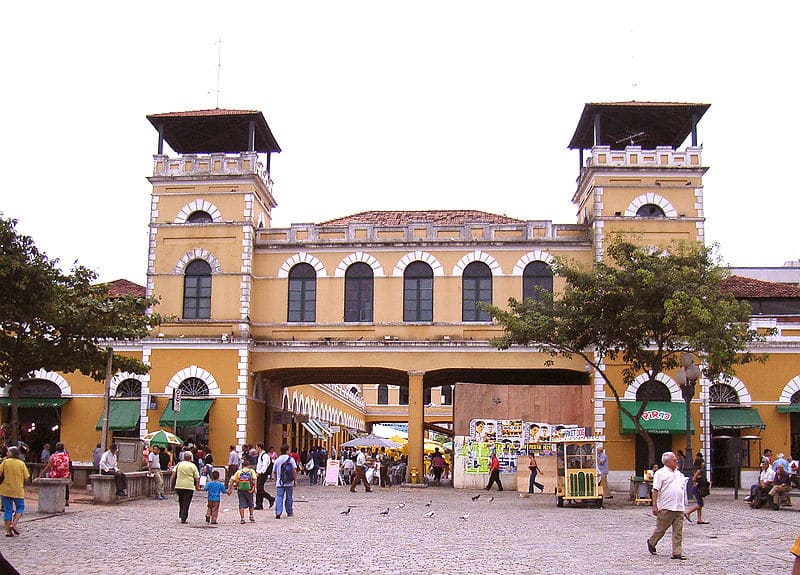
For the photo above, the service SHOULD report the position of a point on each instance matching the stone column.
(416, 421)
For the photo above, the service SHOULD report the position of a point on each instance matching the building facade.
(312, 333)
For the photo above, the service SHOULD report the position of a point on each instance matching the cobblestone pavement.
(509, 534)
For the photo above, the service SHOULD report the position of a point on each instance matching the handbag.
(310, 465)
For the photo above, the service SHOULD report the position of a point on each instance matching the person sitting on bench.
(108, 466)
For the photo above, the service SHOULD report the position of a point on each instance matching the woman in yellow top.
(12, 490)
(185, 481)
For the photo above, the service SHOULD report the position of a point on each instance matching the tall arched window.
(302, 293)
(722, 393)
(358, 284)
(418, 292)
(536, 277)
(197, 291)
(426, 396)
(193, 387)
(403, 396)
(199, 217)
(650, 211)
(476, 288)
(653, 390)
(129, 388)
(447, 395)
(383, 394)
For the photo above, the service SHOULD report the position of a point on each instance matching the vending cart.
(576, 468)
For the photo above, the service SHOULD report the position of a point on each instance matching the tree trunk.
(13, 435)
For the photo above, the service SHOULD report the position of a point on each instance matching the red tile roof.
(121, 288)
(441, 217)
(742, 287)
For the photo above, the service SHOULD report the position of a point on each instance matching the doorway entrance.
(662, 441)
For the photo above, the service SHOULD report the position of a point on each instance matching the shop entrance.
(663, 442)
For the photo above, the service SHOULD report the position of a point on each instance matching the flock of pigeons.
(429, 514)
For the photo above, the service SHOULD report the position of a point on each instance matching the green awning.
(658, 417)
(124, 415)
(789, 408)
(193, 412)
(35, 401)
(311, 430)
(736, 418)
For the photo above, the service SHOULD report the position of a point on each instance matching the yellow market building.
(312, 333)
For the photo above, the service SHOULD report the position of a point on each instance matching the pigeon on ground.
(478, 496)
(429, 514)
(385, 512)
(491, 499)
(400, 506)
(345, 512)
(464, 516)
(428, 504)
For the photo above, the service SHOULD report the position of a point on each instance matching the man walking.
(361, 471)
(669, 495)
(233, 462)
(263, 470)
(285, 471)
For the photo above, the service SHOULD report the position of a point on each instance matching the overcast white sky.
(388, 105)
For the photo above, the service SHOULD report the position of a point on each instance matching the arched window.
(426, 396)
(650, 211)
(129, 388)
(653, 390)
(476, 283)
(354, 390)
(193, 387)
(197, 291)
(536, 277)
(199, 217)
(302, 293)
(403, 396)
(358, 285)
(795, 398)
(418, 293)
(447, 395)
(383, 394)
(722, 393)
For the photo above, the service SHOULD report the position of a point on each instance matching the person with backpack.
(285, 472)
(244, 483)
(264, 471)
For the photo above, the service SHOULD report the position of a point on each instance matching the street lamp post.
(687, 378)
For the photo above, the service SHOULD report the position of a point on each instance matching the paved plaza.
(509, 534)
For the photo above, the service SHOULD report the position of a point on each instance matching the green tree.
(57, 321)
(641, 310)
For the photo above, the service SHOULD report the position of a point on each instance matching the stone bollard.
(52, 494)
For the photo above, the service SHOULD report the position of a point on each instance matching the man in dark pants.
(108, 466)
(263, 470)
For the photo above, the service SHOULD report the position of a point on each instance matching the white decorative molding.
(651, 198)
(198, 254)
(356, 257)
(302, 258)
(193, 371)
(534, 256)
(789, 390)
(418, 256)
(477, 256)
(122, 376)
(51, 376)
(198, 205)
(672, 386)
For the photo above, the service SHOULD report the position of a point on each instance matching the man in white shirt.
(361, 472)
(263, 470)
(758, 492)
(108, 466)
(154, 468)
(669, 497)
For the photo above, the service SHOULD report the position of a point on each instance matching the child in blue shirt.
(215, 488)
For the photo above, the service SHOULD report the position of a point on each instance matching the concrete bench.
(104, 488)
(785, 499)
(52, 494)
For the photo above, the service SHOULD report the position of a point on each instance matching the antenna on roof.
(219, 67)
